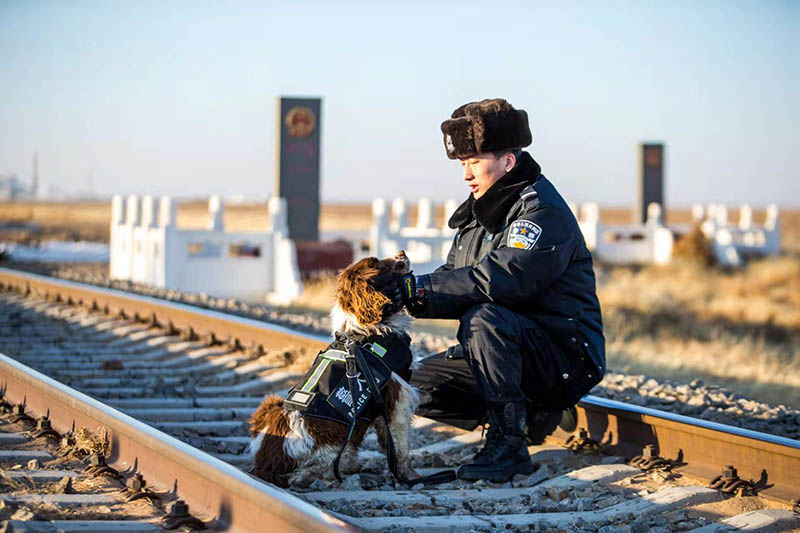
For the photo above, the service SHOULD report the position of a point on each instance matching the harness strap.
(442, 476)
(351, 371)
(391, 454)
(355, 362)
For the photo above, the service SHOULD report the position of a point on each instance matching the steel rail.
(703, 448)
(236, 501)
(224, 327)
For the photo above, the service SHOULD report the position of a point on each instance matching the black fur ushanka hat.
(485, 126)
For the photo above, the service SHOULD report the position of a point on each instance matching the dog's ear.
(356, 295)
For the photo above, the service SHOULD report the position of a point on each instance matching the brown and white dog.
(291, 449)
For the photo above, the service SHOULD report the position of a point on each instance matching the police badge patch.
(523, 234)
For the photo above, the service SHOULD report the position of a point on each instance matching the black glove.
(401, 289)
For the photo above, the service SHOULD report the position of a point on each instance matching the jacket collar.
(490, 210)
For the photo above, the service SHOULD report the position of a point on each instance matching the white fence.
(733, 242)
(150, 249)
(651, 242)
(425, 245)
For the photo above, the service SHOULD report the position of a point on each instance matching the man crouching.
(519, 278)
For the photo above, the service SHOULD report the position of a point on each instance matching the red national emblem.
(652, 156)
(300, 121)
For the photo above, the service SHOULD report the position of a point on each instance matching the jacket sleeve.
(507, 275)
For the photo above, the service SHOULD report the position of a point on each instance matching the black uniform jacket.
(519, 246)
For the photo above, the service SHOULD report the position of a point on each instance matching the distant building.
(11, 188)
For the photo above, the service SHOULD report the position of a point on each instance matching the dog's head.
(362, 305)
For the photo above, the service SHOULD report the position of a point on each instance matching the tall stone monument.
(297, 172)
(651, 181)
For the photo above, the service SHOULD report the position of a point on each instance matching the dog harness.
(324, 391)
(357, 367)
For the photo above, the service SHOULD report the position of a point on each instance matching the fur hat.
(485, 126)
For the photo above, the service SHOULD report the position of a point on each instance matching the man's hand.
(401, 289)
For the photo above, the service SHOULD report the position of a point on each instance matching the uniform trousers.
(502, 356)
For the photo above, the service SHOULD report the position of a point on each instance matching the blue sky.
(179, 97)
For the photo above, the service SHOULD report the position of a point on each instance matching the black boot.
(541, 424)
(504, 454)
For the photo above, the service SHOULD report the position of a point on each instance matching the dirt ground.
(739, 329)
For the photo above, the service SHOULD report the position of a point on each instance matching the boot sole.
(527, 467)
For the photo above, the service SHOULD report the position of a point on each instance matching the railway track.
(168, 389)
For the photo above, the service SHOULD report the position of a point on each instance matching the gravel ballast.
(695, 398)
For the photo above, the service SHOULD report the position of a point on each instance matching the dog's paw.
(301, 480)
(406, 472)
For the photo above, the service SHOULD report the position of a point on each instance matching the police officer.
(519, 279)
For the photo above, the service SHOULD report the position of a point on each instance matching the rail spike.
(650, 460)
(5, 407)
(582, 442)
(179, 516)
(18, 412)
(138, 490)
(44, 428)
(730, 483)
(98, 467)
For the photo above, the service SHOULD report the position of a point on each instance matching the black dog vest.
(324, 391)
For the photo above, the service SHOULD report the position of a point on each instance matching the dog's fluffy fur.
(290, 449)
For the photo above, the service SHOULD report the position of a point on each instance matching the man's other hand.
(399, 288)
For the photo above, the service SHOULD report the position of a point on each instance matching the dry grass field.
(739, 329)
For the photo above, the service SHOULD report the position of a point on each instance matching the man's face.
(481, 171)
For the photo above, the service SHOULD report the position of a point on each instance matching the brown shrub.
(694, 247)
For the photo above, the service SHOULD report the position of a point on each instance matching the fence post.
(132, 210)
(216, 210)
(654, 216)
(424, 213)
(399, 215)
(147, 244)
(772, 230)
(171, 249)
(745, 217)
(117, 210)
(279, 221)
(380, 226)
(167, 212)
(589, 224)
(148, 216)
(285, 276)
(773, 217)
(450, 207)
(721, 214)
(698, 212)
(132, 216)
(115, 255)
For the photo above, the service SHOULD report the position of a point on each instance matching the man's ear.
(510, 161)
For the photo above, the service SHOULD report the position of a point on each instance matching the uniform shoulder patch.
(523, 234)
(528, 192)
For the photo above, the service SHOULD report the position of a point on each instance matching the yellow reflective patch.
(313, 379)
